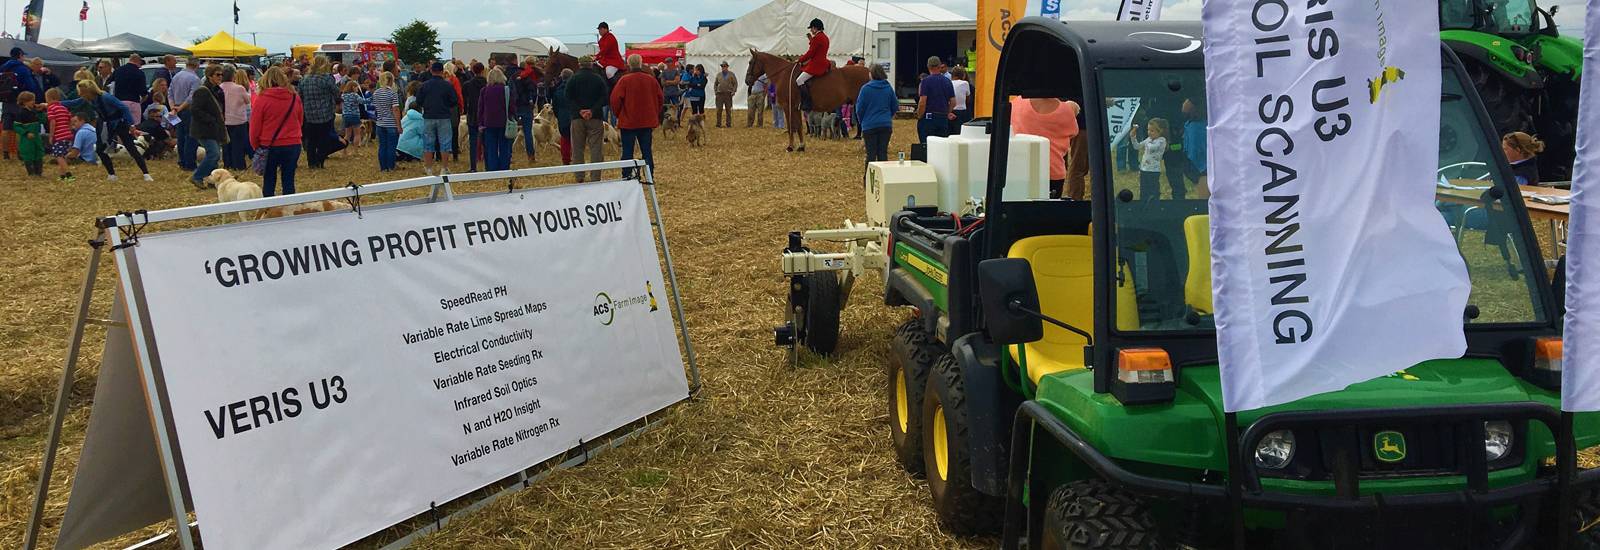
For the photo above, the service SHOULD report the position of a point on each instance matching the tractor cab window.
(1503, 17)
(1162, 228)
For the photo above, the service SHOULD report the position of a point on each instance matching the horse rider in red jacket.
(608, 55)
(814, 63)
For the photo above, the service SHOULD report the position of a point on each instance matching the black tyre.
(962, 509)
(911, 357)
(823, 302)
(1091, 514)
(1586, 519)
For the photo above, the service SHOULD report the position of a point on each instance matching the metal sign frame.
(121, 231)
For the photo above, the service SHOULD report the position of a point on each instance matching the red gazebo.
(658, 50)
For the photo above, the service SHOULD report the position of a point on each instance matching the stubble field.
(766, 456)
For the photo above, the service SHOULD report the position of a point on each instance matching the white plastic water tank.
(961, 163)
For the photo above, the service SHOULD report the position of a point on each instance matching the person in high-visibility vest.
(814, 63)
(608, 55)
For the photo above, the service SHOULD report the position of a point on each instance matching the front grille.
(1431, 449)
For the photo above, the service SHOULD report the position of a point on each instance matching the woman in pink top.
(1052, 119)
(236, 116)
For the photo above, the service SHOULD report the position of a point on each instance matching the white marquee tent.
(780, 27)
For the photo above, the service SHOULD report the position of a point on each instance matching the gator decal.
(925, 267)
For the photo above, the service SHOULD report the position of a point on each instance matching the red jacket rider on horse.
(608, 55)
(814, 63)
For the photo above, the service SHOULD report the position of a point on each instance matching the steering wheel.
(1464, 170)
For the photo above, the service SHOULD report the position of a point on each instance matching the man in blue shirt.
(438, 100)
(178, 94)
(935, 103)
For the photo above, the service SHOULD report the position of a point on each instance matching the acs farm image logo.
(606, 308)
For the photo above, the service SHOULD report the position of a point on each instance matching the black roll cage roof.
(1045, 57)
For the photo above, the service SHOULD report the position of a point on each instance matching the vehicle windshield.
(1503, 17)
(1157, 123)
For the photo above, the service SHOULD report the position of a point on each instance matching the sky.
(277, 24)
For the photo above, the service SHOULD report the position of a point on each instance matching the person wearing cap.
(587, 94)
(935, 101)
(25, 80)
(439, 102)
(608, 57)
(25, 83)
(672, 86)
(727, 84)
(813, 63)
(756, 103)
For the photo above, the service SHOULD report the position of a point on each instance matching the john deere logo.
(1389, 446)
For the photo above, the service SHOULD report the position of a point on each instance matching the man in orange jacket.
(636, 100)
(814, 63)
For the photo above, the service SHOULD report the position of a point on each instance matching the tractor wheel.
(962, 508)
(1091, 514)
(1510, 107)
(911, 357)
(823, 302)
(1586, 519)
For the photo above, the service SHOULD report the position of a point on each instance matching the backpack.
(9, 87)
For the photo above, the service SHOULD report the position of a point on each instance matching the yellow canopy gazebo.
(225, 45)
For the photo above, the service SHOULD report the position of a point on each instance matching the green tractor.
(1526, 72)
(1104, 429)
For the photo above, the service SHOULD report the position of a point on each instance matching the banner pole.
(1235, 478)
(672, 275)
(1566, 474)
(158, 413)
(67, 371)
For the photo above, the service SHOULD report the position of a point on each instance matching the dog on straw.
(544, 127)
(613, 138)
(671, 122)
(230, 189)
(696, 134)
(312, 207)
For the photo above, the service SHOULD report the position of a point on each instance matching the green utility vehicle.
(1104, 428)
(1525, 71)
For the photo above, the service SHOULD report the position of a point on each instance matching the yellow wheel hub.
(941, 446)
(901, 407)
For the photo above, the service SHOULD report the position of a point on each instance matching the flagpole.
(104, 18)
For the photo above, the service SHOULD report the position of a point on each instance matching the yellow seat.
(1197, 285)
(1063, 271)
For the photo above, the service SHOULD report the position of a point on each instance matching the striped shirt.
(384, 99)
(60, 122)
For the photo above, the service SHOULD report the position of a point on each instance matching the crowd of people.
(206, 115)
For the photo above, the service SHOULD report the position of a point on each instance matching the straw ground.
(767, 457)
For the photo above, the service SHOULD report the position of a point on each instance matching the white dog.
(613, 139)
(544, 127)
(230, 189)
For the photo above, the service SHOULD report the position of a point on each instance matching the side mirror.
(1003, 285)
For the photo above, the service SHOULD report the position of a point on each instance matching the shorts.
(436, 135)
(59, 149)
(352, 121)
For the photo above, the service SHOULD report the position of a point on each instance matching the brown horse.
(555, 62)
(828, 91)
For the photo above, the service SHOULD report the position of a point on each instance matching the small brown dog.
(696, 134)
(671, 123)
(305, 208)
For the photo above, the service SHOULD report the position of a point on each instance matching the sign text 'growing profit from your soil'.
(271, 265)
